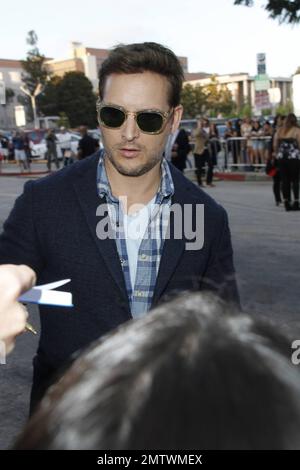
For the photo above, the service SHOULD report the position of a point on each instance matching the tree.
(48, 100)
(246, 110)
(286, 11)
(218, 99)
(34, 65)
(193, 100)
(35, 74)
(77, 99)
(72, 95)
(286, 109)
(63, 121)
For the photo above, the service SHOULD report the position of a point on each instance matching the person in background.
(257, 143)
(19, 150)
(64, 140)
(278, 122)
(206, 125)
(232, 146)
(246, 130)
(87, 145)
(191, 375)
(27, 150)
(4, 143)
(14, 280)
(201, 154)
(213, 150)
(180, 150)
(287, 151)
(268, 132)
(51, 141)
(272, 169)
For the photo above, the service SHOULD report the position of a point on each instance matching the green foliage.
(193, 100)
(266, 112)
(218, 99)
(286, 11)
(63, 121)
(72, 95)
(48, 100)
(284, 110)
(34, 65)
(245, 111)
(211, 99)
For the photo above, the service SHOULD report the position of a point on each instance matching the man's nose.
(130, 129)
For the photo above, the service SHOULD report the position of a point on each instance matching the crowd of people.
(87, 146)
(247, 144)
(19, 148)
(250, 140)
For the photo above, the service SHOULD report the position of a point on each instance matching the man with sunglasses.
(123, 224)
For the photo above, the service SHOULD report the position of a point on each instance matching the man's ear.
(177, 115)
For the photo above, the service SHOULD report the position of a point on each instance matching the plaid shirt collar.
(165, 191)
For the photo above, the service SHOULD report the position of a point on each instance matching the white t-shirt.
(64, 140)
(135, 226)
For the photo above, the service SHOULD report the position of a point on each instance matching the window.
(15, 76)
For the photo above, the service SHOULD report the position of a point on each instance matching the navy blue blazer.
(52, 228)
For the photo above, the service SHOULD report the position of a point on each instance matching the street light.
(37, 91)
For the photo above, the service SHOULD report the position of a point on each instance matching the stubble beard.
(140, 170)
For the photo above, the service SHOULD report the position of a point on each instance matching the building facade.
(242, 87)
(10, 75)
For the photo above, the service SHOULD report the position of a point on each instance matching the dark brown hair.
(146, 56)
(290, 121)
(212, 378)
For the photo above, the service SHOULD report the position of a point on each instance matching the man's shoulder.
(61, 179)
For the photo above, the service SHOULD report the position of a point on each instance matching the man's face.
(129, 150)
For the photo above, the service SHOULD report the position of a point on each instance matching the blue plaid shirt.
(150, 250)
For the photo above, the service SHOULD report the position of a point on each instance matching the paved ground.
(266, 242)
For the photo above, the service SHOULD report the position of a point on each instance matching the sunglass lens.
(111, 117)
(150, 122)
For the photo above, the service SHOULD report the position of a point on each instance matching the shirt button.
(143, 256)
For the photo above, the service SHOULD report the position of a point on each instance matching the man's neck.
(137, 189)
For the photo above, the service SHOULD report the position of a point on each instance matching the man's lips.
(129, 152)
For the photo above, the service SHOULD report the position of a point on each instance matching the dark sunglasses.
(149, 121)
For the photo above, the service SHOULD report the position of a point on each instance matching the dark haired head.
(138, 58)
(290, 121)
(190, 375)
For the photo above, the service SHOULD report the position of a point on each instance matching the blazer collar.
(85, 187)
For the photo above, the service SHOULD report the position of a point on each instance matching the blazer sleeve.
(220, 272)
(18, 241)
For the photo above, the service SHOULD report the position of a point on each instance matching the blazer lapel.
(173, 248)
(86, 190)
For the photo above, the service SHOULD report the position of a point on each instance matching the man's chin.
(132, 169)
(138, 171)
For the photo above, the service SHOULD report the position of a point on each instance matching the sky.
(215, 35)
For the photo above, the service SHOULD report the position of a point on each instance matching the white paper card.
(44, 295)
